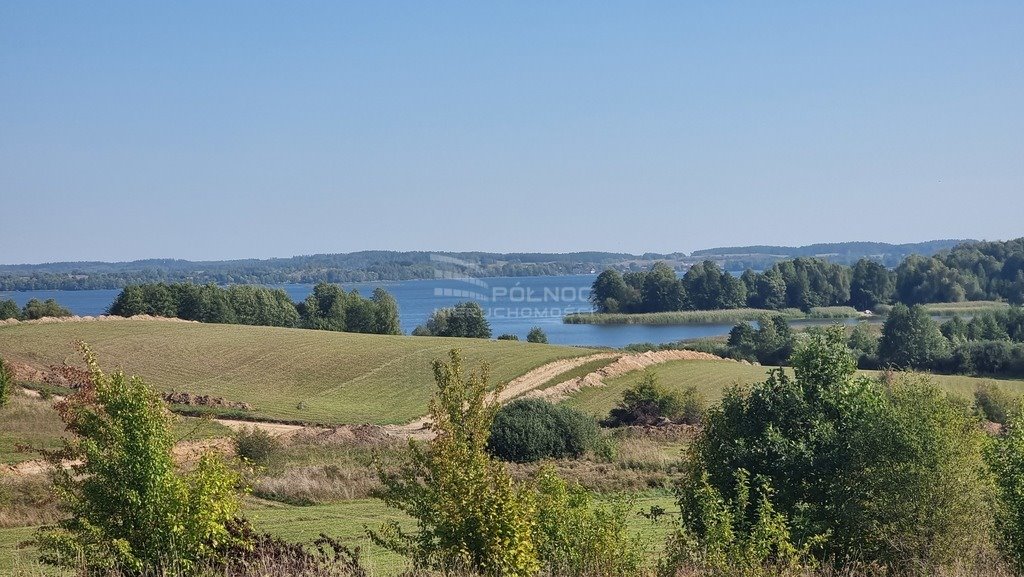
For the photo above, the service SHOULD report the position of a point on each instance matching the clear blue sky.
(209, 130)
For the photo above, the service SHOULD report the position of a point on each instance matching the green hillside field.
(286, 374)
(712, 378)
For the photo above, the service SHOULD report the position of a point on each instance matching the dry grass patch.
(28, 423)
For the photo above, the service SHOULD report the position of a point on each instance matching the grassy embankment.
(286, 374)
(726, 316)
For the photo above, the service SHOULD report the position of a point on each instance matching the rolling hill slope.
(290, 374)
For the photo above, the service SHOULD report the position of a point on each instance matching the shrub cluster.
(839, 467)
(257, 446)
(529, 430)
(465, 319)
(537, 335)
(649, 403)
(33, 309)
(995, 403)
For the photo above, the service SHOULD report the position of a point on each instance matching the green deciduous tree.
(661, 290)
(576, 536)
(610, 294)
(911, 339)
(648, 402)
(469, 512)
(1006, 457)
(846, 462)
(385, 313)
(324, 308)
(537, 335)
(871, 284)
(9, 310)
(128, 508)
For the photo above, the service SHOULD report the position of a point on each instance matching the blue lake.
(513, 305)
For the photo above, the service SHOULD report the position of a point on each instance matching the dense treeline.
(972, 271)
(328, 307)
(990, 343)
(801, 283)
(33, 309)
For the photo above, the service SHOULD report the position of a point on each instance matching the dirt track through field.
(624, 364)
(524, 386)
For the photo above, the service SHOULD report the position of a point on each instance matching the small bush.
(529, 430)
(257, 446)
(995, 403)
(508, 337)
(537, 335)
(648, 403)
(575, 536)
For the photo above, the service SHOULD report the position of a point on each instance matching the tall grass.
(963, 308)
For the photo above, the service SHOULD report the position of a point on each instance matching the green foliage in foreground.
(128, 509)
(471, 515)
(469, 512)
(844, 464)
(529, 430)
(1007, 462)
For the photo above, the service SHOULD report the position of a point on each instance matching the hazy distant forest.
(391, 265)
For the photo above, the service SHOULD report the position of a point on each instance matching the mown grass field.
(726, 316)
(346, 521)
(712, 378)
(287, 374)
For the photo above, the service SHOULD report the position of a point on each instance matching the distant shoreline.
(724, 316)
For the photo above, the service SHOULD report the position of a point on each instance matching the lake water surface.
(513, 305)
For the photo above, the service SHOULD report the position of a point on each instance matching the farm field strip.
(286, 374)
